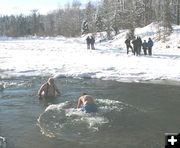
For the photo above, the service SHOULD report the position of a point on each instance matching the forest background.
(105, 16)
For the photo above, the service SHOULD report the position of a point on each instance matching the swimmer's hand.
(78, 109)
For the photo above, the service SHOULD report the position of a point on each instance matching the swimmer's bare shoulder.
(88, 99)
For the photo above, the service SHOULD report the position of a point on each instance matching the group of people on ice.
(138, 44)
(90, 40)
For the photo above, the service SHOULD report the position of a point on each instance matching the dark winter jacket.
(92, 40)
(144, 45)
(150, 43)
(135, 43)
(139, 42)
(127, 41)
(88, 40)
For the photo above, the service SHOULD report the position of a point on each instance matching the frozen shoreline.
(68, 57)
(71, 59)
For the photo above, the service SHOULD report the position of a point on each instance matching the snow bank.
(68, 57)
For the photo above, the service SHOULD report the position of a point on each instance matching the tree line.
(107, 15)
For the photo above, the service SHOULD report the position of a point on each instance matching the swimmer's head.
(84, 94)
(51, 80)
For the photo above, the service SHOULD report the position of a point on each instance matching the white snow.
(68, 57)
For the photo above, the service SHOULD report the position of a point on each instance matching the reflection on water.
(129, 114)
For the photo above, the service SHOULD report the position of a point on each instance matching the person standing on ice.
(135, 46)
(88, 41)
(139, 44)
(128, 45)
(145, 46)
(150, 45)
(92, 41)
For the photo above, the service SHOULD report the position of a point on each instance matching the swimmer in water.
(48, 89)
(86, 103)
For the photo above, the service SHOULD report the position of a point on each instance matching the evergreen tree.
(108, 15)
(99, 24)
(89, 16)
(85, 28)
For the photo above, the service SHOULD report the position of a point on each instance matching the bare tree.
(178, 12)
(108, 15)
(167, 17)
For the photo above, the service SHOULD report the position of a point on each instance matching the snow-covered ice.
(68, 57)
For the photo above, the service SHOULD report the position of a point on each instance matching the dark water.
(147, 112)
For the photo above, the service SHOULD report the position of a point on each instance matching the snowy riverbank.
(68, 57)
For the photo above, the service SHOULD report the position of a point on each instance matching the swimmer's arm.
(42, 88)
(79, 103)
